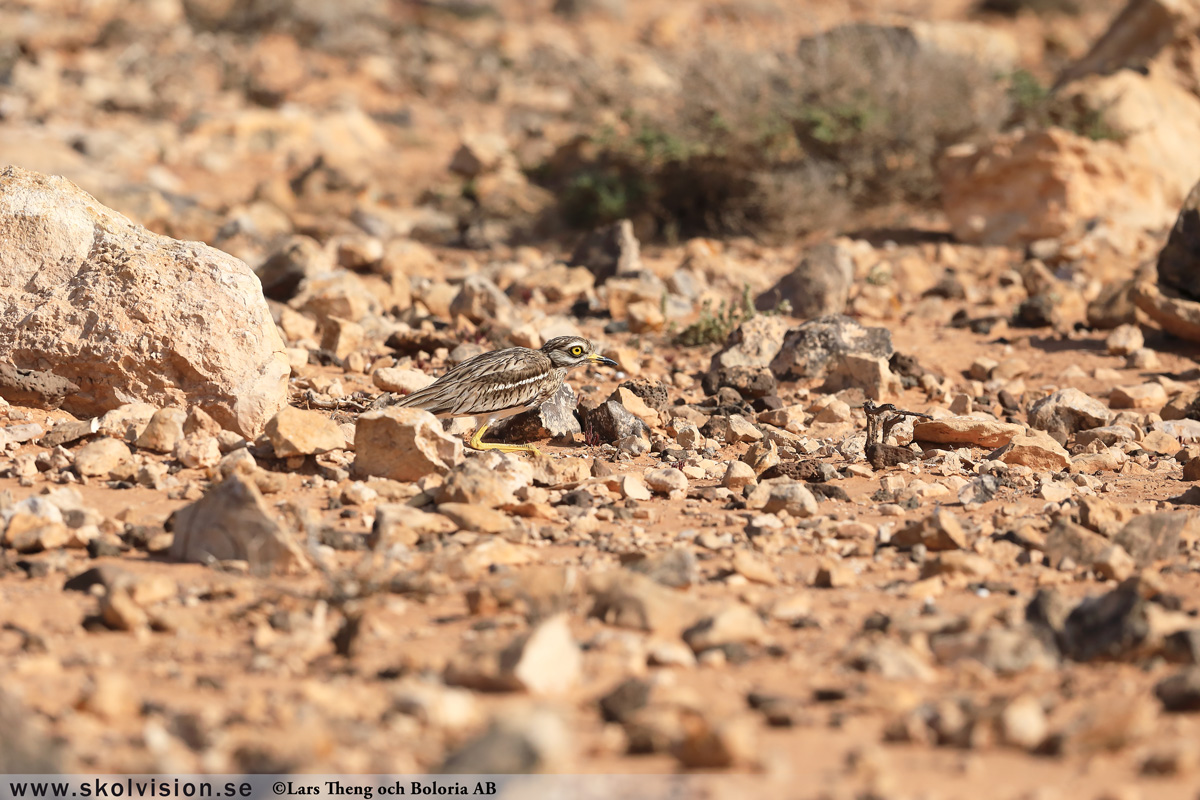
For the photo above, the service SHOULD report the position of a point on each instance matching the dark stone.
(882, 456)
(809, 349)
(768, 403)
(609, 422)
(1179, 260)
(1180, 692)
(286, 269)
(33, 388)
(1036, 312)
(609, 250)
(829, 491)
(101, 548)
(553, 419)
(1111, 626)
(415, 340)
(1183, 647)
(628, 697)
(820, 285)
(749, 382)
(1113, 306)
(812, 471)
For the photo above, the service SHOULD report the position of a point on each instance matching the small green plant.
(1036, 106)
(714, 327)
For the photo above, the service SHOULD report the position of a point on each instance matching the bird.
(501, 383)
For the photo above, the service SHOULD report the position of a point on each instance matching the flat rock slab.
(126, 314)
(967, 431)
(1177, 316)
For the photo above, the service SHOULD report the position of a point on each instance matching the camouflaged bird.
(499, 384)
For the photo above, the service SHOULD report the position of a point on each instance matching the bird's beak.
(596, 358)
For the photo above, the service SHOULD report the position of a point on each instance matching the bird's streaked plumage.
(501, 383)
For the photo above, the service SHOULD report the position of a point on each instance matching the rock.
(555, 419)
(675, 567)
(289, 266)
(297, 432)
(163, 431)
(1036, 450)
(810, 349)
(609, 251)
(403, 381)
(480, 519)
(546, 662)
(732, 429)
(783, 494)
(198, 451)
(738, 475)
(754, 343)
(519, 742)
(1114, 564)
(1023, 723)
(1029, 185)
(708, 746)
(941, 530)
(1177, 316)
(835, 576)
(969, 431)
(754, 567)
(870, 374)
(626, 599)
(341, 337)
(1124, 339)
(633, 487)
(1154, 537)
(819, 286)
(34, 388)
(761, 456)
(735, 624)
(1113, 307)
(1107, 435)
(403, 444)
(487, 482)
(232, 522)
(102, 457)
(645, 316)
(1178, 259)
(1114, 626)
(25, 745)
(609, 422)
(1067, 412)
(1146, 395)
(1180, 693)
(1074, 544)
(480, 300)
(125, 422)
(1123, 100)
(1160, 443)
(668, 480)
(399, 524)
(124, 313)
(750, 382)
(958, 562)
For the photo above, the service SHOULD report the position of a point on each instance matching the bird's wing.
(487, 382)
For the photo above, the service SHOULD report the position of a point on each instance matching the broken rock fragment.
(232, 522)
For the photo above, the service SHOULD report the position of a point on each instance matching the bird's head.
(574, 351)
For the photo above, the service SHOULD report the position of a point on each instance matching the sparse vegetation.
(1035, 106)
(714, 327)
(775, 144)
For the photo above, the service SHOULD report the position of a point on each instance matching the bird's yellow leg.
(476, 443)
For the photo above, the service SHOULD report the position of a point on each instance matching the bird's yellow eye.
(577, 351)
